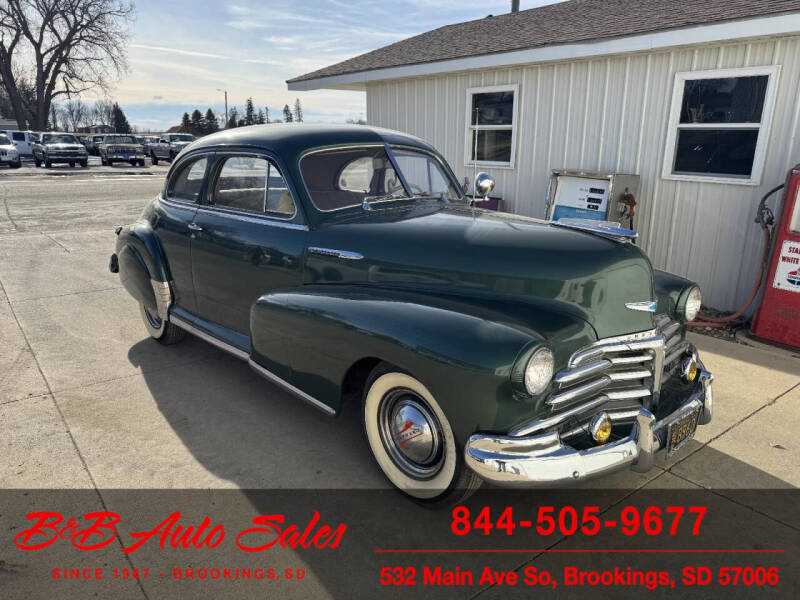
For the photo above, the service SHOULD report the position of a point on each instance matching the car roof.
(290, 140)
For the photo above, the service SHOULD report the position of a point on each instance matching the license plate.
(681, 430)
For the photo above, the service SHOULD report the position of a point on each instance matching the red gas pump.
(778, 317)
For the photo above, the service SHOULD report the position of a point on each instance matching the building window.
(491, 125)
(719, 125)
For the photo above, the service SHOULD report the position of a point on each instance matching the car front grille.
(621, 369)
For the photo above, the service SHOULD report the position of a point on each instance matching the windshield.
(59, 138)
(338, 179)
(181, 138)
(120, 139)
(4, 141)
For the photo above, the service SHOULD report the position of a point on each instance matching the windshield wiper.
(366, 204)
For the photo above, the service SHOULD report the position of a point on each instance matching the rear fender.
(143, 270)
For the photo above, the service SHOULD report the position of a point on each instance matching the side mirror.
(484, 184)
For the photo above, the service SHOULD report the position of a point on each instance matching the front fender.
(462, 349)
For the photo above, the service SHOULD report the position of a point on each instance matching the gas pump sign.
(787, 271)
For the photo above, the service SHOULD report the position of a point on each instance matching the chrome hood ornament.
(646, 306)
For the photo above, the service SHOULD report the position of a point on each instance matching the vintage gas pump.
(778, 317)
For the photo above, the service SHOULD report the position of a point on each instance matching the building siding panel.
(611, 114)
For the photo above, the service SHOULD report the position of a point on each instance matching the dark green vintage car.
(345, 262)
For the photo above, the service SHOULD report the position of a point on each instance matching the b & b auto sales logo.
(99, 529)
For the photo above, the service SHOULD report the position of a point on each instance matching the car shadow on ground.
(287, 457)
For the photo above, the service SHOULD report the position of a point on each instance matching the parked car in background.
(55, 147)
(117, 147)
(22, 140)
(93, 144)
(345, 264)
(9, 155)
(169, 145)
(83, 140)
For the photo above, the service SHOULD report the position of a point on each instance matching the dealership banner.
(373, 544)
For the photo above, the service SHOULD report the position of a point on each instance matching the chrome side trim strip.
(207, 337)
(344, 254)
(254, 219)
(646, 306)
(290, 388)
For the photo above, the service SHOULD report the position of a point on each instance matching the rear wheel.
(85, 163)
(109, 162)
(154, 158)
(37, 162)
(16, 165)
(412, 441)
(47, 163)
(72, 165)
(160, 330)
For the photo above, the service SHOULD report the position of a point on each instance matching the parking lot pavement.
(29, 169)
(101, 404)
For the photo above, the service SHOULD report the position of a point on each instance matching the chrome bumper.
(544, 460)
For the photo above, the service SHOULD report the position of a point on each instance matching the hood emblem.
(646, 306)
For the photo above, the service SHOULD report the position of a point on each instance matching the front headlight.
(539, 371)
(689, 304)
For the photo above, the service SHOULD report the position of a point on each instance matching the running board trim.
(290, 388)
(270, 376)
(207, 337)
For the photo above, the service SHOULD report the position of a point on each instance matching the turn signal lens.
(689, 370)
(601, 428)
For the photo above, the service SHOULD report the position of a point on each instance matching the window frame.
(468, 146)
(212, 176)
(763, 127)
(177, 169)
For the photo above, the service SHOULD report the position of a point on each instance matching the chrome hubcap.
(411, 434)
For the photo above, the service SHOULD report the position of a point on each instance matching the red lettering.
(270, 523)
(43, 527)
(105, 529)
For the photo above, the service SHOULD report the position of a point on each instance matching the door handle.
(195, 227)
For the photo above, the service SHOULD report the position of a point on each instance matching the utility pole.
(226, 105)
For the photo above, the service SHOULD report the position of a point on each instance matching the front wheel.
(160, 330)
(47, 163)
(412, 441)
(154, 158)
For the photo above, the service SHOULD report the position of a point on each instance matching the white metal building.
(701, 98)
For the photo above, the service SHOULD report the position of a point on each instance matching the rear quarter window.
(186, 183)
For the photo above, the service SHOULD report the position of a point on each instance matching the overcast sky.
(183, 50)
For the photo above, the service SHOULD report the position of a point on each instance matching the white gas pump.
(595, 196)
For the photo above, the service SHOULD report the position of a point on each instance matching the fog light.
(601, 428)
(689, 369)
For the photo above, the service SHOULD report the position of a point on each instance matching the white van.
(23, 140)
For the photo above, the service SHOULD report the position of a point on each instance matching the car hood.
(464, 251)
(180, 144)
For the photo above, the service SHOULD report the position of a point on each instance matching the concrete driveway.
(87, 400)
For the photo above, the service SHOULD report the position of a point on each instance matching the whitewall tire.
(159, 329)
(411, 438)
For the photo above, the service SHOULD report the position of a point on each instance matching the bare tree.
(74, 113)
(103, 112)
(53, 48)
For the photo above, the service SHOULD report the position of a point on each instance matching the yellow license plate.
(681, 430)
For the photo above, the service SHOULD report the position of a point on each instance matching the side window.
(188, 182)
(18, 136)
(253, 184)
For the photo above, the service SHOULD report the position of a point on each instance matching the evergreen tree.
(211, 124)
(198, 124)
(260, 117)
(298, 111)
(266, 114)
(233, 118)
(287, 113)
(186, 123)
(249, 112)
(118, 120)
